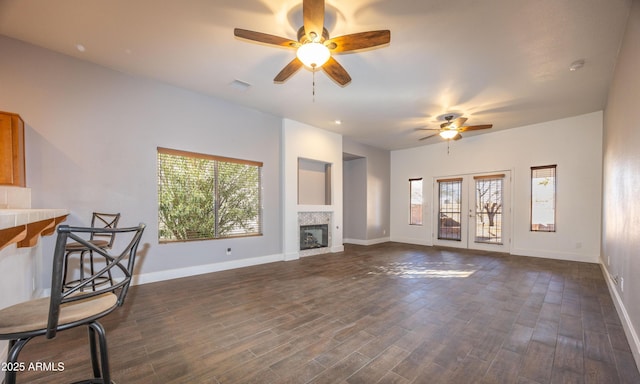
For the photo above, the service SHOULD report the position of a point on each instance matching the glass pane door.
(472, 211)
(488, 207)
(450, 209)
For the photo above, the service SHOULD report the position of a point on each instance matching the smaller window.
(415, 201)
(543, 198)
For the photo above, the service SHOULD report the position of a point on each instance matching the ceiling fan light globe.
(448, 134)
(313, 55)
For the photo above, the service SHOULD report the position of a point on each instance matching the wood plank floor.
(388, 313)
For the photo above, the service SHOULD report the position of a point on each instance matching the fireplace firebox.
(314, 236)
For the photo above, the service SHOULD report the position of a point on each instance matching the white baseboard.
(40, 293)
(366, 242)
(152, 277)
(629, 330)
(568, 256)
(410, 240)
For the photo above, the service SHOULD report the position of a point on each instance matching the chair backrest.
(104, 220)
(119, 264)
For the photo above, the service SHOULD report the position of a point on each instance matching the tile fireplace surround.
(315, 218)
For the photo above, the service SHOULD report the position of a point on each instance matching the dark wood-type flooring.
(388, 313)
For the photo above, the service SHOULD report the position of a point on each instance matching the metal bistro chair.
(74, 306)
(102, 240)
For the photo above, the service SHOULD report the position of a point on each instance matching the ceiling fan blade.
(335, 71)
(313, 18)
(264, 38)
(426, 137)
(475, 127)
(457, 123)
(360, 40)
(427, 129)
(457, 137)
(291, 68)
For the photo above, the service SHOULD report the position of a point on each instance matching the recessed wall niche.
(314, 182)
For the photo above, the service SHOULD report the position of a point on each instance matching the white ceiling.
(504, 62)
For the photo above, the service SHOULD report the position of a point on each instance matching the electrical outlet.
(621, 284)
(608, 260)
(228, 251)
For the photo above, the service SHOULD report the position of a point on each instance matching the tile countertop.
(14, 217)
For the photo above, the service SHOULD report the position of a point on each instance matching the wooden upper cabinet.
(12, 169)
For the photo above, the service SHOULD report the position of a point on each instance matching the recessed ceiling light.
(338, 122)
(239, 85)
(576, 65)
(80, 47)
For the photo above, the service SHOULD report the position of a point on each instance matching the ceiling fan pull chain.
(313, 91)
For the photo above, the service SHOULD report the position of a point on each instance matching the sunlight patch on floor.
(412, 271)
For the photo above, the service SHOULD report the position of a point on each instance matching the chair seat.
(79, 247)
(32, 315)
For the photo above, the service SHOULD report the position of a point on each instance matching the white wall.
(355, 200)
(91, 139)
(574, 144)
(377, 192)
(304, 141)
(621, 202)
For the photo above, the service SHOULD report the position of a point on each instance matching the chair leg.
(100, 280)
(94, 352)
(15, 346)
(101, 369)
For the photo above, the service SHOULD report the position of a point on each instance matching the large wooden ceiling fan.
(314, 47)
(450, 129)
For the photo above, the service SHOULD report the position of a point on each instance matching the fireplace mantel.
(315, 208)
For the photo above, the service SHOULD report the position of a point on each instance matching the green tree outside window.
(207, 197)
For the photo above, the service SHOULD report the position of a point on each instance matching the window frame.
(217, 159)
(411, 216)
(534, 227)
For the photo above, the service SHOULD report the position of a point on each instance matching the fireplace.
(314, 236)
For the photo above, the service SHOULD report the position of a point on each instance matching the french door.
(473, 211)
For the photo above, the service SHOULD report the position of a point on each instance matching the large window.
(207, 197)
(415, 201)
(543, 198)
